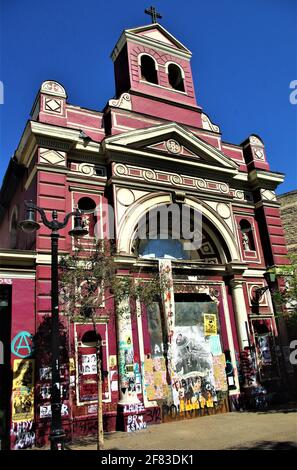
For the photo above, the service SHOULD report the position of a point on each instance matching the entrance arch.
(128, 224)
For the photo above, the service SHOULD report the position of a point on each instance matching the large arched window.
(175, 77)
(159, 238)
(148, 69)
(247, 235)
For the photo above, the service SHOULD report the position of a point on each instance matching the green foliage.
(91, 283)
(285, 296)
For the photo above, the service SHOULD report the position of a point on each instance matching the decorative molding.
(51, 87)
(223, 210)
(52, 157)
(268, 195)
(207, 124)
(171, 179)
(256, 141)
(173, 146)
(259, 154)
(53, 105)
(89, 169)
(123, 102)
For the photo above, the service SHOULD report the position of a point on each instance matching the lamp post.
(29, 225)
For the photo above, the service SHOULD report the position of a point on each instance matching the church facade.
(213, 338)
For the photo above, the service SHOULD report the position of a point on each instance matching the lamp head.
(29, 225)
(78, 229)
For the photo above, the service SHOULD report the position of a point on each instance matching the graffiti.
(169, 410)
(153, 415)
(21, 345)
(85, 427)
(92, 409)
(134, 408)
(46, 412)
(24, 434)
(248, 368)
(135, 423)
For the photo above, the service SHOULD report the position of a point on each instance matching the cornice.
(52, 136)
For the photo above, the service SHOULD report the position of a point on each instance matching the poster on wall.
(89, 364)
(23, 390)
(86, 364)
(210, 324)
(194, 384)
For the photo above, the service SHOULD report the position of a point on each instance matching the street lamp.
(269, 277)
(30, 225)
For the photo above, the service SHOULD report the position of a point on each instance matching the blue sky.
(244, 58)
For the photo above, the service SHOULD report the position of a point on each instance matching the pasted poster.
(219, 371)
(89, 364)
(155, 378)
(194, 384)
(23, 390)
(210, 324)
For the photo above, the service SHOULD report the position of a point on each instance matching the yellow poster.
(23, 390)
(112, 361)
(210, 324)
(23, 373)
(23, 404)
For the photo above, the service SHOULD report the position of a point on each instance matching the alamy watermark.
(293, 94)
(164, 222)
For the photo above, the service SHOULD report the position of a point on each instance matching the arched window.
(148, 69)
(88, 206)
(175, 77)
(247, 235)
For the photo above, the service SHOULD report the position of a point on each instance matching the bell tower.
(154, 68)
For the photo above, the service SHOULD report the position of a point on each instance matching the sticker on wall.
(215, 345)
(71, 365)
(21, 345)
(210, 324)
(112, 361)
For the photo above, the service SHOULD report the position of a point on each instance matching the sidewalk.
(275, 429)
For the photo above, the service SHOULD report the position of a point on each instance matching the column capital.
(236, 283)
(236, 267)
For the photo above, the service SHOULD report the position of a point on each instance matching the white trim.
(17, 274)
(174, 63)
(160, 132)
(163, 87)
(149, 55)
(76, 346)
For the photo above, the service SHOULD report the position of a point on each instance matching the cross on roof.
(153, 13)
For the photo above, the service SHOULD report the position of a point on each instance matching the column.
(240, 312)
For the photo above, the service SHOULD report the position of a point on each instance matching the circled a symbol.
(21, 344)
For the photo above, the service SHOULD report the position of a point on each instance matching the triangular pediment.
(156, 32)
(174, 141)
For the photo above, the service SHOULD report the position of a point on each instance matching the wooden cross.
(153, 13)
